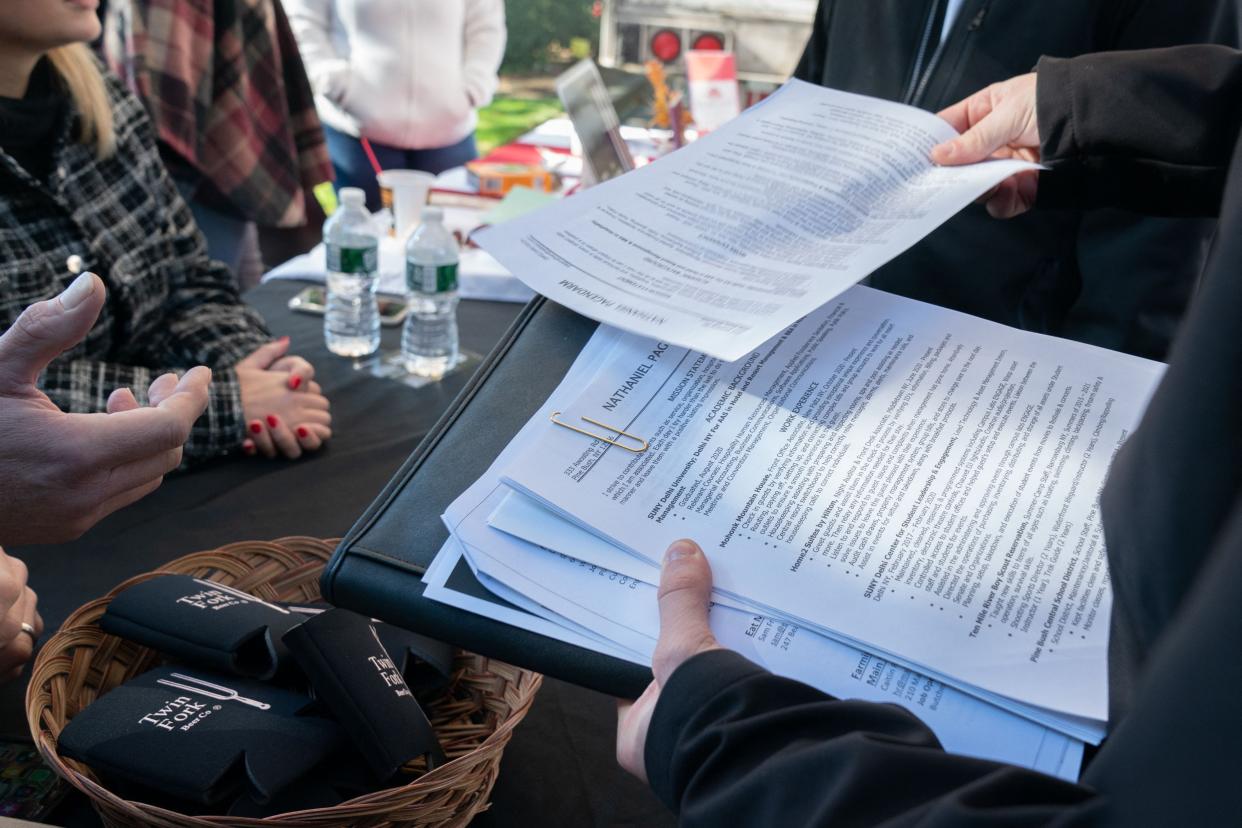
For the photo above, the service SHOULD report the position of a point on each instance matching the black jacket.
(1108, 277)
(731, 744)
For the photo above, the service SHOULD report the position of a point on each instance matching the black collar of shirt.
(28, 124)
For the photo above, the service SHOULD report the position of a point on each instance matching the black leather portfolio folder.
(378, 567)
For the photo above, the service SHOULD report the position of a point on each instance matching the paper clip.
(642, 444)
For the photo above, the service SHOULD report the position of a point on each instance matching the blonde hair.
(80, 73)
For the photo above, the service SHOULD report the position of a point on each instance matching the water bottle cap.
(433, 214)
(353, 197)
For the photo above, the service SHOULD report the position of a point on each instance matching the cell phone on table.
(314, 300)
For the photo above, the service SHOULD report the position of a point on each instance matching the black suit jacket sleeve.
(732, 744)
(1151, 131)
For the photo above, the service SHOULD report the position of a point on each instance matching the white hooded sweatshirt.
(406, 73)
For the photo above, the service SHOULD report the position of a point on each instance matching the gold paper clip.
(642, 444)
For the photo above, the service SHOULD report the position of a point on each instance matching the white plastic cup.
(405, 191)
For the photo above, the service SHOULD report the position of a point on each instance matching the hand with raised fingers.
(61, 473)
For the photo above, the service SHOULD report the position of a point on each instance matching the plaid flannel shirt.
(226, 88)
(169, 306)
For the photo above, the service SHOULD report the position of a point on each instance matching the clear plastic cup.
(405, 192)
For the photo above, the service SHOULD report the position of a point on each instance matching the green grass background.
(506, 118)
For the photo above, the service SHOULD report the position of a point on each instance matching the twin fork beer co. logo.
(211, 599)
(215, 596)
(387, 670)
(181, 713)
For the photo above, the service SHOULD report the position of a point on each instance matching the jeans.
(225, 233)
(353, 169)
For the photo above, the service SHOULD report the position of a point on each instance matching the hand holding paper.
(898, 502)
(997, 122)
(721, 245)
(685, 586)
(914, 481)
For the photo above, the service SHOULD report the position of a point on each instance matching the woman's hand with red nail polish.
(278, 391)
(260, 439)
(284, 438)
(300, 373)
(276, 358)
(311, 436)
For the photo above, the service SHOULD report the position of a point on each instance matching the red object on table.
(514, 154)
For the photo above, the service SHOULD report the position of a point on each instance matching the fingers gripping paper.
(721, 245)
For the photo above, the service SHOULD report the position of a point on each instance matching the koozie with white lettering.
(203, 623)
(201, 736)
(356, 679)
(425, 663)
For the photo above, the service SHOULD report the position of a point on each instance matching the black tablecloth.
(559, 769)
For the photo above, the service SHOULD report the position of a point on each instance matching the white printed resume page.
(719, 246)
(911, 479)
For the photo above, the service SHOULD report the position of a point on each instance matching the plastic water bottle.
(351, 326)
(429, 339)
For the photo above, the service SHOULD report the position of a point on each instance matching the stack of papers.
(898, 501)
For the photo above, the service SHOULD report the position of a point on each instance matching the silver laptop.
(586, 101)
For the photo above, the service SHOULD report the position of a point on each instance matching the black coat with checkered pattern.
(169, 306)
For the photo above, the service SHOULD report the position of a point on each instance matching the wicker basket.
(474, 719)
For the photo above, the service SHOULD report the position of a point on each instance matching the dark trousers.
(353, 169)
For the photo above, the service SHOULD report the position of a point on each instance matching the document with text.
(526, 520)
(576, 593)
(721, 245)
(913, 481)
(614, 614)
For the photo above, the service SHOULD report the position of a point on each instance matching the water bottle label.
(430, 278)
(353, 259)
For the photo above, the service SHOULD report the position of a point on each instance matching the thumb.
(160, 389)
(47, 329)
(265, 355)
(685, 592)
(122, 399)
(977, 143)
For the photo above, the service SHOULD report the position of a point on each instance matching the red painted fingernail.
(272, 421)
(256, 427)
(295, 382)
(302, 432)
(248, 447)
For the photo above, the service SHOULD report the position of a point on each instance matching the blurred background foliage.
(545, 37)
(547, 34)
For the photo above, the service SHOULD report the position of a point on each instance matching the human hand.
(285, 409)
(18, 606)
(685, 592)
(1000, 121)
(61, 473)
